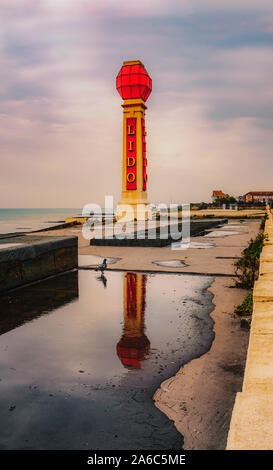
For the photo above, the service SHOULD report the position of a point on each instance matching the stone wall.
(251, 426)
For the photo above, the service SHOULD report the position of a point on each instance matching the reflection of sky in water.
(228, 226)
(94, 260)
(62, 371)
(221, 233)
(170, 263)
(193, 245)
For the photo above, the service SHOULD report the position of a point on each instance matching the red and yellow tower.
(134, 85)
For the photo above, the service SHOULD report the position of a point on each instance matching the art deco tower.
(134, 85)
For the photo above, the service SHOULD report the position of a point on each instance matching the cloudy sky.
(209, 117)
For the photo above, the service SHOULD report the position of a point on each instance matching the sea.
(28, 220)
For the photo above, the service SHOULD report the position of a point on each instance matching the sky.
(210, 115)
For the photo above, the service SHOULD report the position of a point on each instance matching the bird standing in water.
(102, 266)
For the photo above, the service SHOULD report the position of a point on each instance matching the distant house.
(258, 196)
(217, 194)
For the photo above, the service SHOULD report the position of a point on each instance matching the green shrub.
(247, 267)
(263, 222)
(245, 308)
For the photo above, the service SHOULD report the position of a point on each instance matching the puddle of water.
(172, 263)
(81, 360)
(193, 245)
(221, 233)
(3, 246)
(94, 260)
(228, 226)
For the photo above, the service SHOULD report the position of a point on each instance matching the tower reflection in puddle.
(134, 344)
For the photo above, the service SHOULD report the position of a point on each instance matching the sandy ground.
(200, 397)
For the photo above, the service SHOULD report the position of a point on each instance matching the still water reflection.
(81, 359)
(134, 344)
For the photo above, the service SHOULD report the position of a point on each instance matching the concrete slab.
(251, 426)
(259, 367)
(267, 254)
(268, 240)
(259, 364)
(155, 237)
(262, 309)
(263, 289)
(266, 267)
(32, 258)
(262, 324)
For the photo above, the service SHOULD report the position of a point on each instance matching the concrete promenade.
(251, 426)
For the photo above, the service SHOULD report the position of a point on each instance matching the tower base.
(133, 211)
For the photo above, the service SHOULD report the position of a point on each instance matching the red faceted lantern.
(133, 81)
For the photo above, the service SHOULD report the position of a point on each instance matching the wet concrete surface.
(81, 359)
(171, 263)
(94, 260)
(221, 233)
(193, 245)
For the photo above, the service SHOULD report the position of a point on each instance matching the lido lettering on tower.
(134, 86)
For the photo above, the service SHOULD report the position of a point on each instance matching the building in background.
(258, 196)
(217, 195)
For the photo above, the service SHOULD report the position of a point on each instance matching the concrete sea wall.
(251, 426)
(25, 259)
(158, 237)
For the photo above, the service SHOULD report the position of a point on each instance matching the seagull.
(102, 266)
